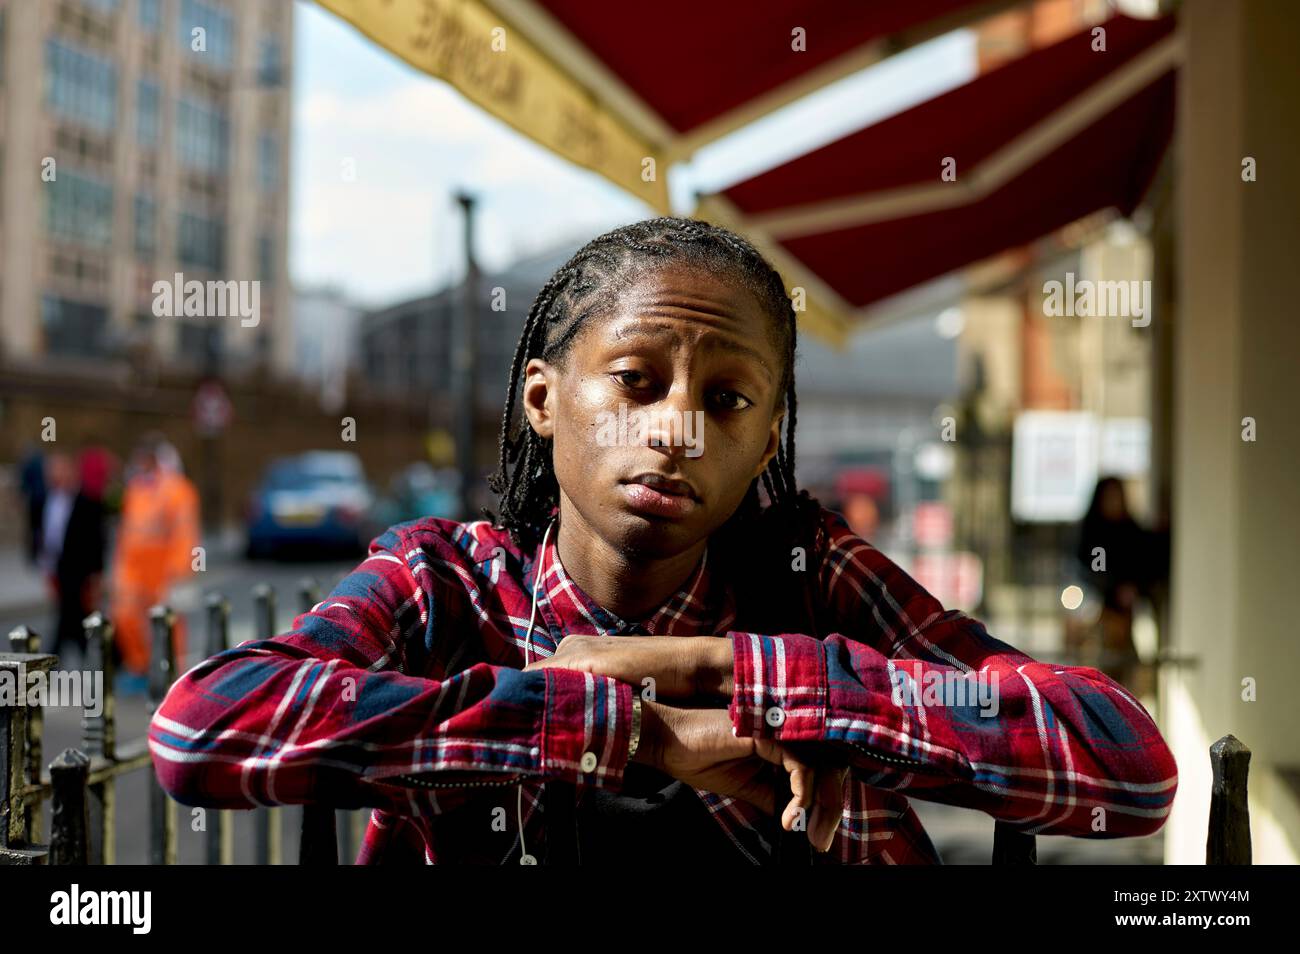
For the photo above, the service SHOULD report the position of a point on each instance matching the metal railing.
(81, 783)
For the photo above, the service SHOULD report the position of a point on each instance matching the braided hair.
(760, 538)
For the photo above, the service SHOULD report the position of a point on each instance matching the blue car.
(310, 504)
(418, 490)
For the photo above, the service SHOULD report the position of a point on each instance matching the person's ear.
(540, 380)
(773, 441)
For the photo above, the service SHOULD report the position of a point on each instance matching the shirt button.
(774, 716)
(589, 761)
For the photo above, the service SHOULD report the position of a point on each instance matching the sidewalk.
(24, 592)
(22, 587)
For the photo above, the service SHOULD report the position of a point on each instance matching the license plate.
(300, 517)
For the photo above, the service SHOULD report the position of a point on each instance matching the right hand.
(697, 747)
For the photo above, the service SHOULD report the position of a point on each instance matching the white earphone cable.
(524, 857)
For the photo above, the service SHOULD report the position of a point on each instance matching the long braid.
(541, 303)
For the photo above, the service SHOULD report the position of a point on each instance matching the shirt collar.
(703, 606)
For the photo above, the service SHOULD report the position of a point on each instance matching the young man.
(637, 646)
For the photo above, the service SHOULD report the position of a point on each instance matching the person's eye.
(732, 400)
(630, 379)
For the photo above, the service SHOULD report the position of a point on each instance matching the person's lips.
(665, 484)
(661, 496)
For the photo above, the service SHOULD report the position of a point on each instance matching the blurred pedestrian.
(99, 467)
(1121, 560)
(861, 491)
(71, 550)
(155, 543)
(31, 482)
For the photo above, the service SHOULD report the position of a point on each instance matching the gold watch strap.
(636, 725)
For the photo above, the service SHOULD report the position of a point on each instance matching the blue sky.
(411, 141)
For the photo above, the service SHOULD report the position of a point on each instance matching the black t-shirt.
(655, 818)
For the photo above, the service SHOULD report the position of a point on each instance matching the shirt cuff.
(586, 728)
(780, 687)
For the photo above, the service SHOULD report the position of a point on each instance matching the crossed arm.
(339, 709)
(912, 697)
(342, 710)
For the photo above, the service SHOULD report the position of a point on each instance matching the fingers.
(817, 791)
(829, 807)
(802, 786)
(802, 779)
(816, 802)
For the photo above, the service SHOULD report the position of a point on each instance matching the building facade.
(405, 349)
(141, 140)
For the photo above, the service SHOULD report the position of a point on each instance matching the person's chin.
(654, 536)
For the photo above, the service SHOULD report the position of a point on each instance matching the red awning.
(692, 62)
(1038, 143)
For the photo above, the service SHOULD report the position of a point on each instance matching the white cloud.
(394, 230)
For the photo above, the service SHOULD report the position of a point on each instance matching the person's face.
(697, 357)
(61, 472)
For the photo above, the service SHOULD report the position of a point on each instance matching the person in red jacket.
(655, 631)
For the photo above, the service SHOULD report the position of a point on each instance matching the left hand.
(682, 667)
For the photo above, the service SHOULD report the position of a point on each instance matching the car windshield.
(304, 473)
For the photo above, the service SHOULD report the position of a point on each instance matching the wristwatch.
(636, 725)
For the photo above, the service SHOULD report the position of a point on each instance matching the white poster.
(1125, 446)
(1053, 465)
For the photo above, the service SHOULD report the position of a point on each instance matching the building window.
(146, 226)
(201, 242)
(202, 135)
(79, 208)
(218, 31)
(73, 327)
(268, 161)
(266, 259)
(146, 111)
(149, 14)
(79, 85)
(103, 6)
(199, 343)
(269, 64)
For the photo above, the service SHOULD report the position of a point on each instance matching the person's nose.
(674, 422)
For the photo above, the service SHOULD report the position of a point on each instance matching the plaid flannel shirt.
(402, 691)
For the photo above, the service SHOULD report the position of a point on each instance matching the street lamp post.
(464, 359)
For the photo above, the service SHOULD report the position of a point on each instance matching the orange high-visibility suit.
(159, 529)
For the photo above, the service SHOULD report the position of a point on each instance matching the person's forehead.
(688, 299)
(693, 285)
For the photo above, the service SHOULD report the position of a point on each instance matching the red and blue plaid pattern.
(403, 691)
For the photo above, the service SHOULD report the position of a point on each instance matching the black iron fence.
(81, 783)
